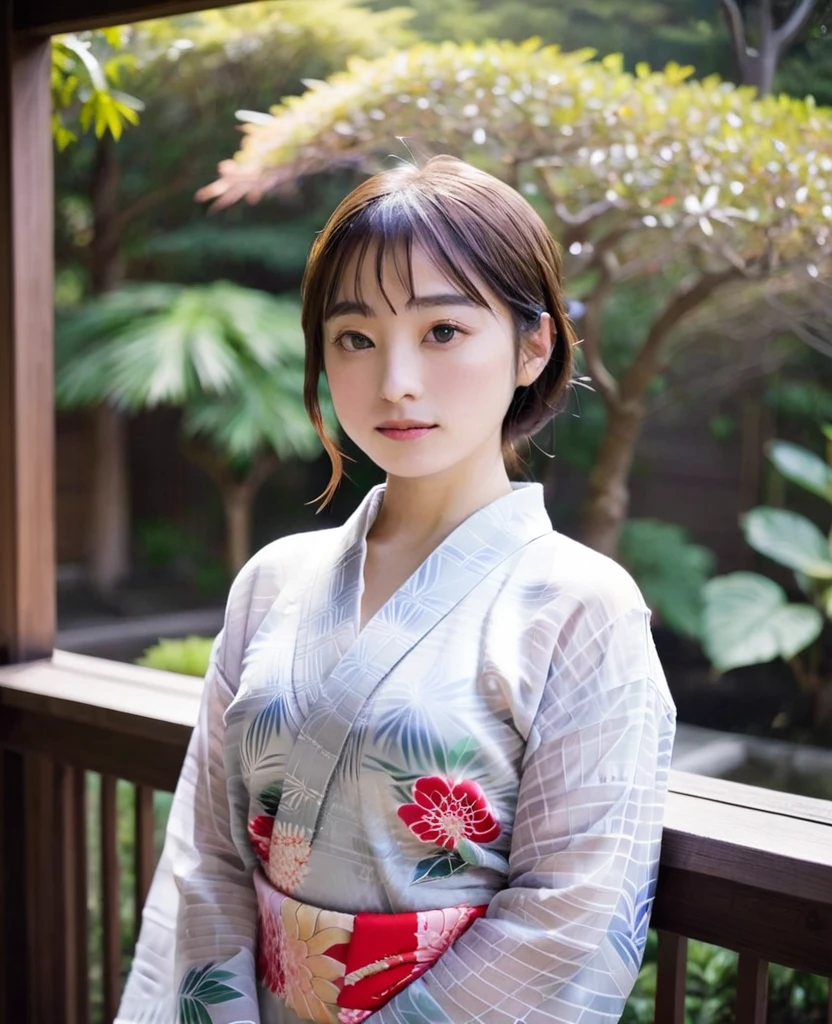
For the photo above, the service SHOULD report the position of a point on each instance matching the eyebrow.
(353, 306)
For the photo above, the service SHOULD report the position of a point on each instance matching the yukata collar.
(474, 550)
(523, 509)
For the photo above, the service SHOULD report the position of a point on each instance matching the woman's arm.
(564, 941)
(194, 961)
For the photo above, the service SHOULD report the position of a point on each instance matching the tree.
(189, 70)
(87, 70)
(760, 50)
(682, 186)
(231, 357)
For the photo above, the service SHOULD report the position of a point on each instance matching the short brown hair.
(471, 224)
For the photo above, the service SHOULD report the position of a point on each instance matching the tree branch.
(586, 216)
(208, 463)
(150, 199)
(768, 36)
(736, 27)
(793, 26)
(262, 469)
(603, 379)
(719, 384)
(683, 300)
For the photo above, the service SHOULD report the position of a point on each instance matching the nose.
(401, 376)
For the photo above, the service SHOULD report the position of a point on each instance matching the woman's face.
(421, 387)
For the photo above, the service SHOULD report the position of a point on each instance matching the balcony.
(743, 868)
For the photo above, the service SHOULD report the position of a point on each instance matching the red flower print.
(260, 835)
(445, 811)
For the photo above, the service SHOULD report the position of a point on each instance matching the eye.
(351, 341)
(443, 333)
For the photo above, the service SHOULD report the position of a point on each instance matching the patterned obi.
(332, 967)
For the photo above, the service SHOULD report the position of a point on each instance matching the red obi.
(332, 967)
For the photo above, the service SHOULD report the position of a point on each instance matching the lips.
(404, 430)
(405, 425)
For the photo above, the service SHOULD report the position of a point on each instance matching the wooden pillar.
(27, 503)
(27, 527)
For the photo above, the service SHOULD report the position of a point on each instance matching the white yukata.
(499, 733)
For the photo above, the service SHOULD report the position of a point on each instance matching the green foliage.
(231, 356)
(703, 160)
(282, 249)
(806, 401)
(748, 618)
(803, 468)
(188, 657)
(790, 539)
(670, 570)
(166, 546)
(687, 30)
(711, 989)
(87, 71)
(193, 73)
(152, 344)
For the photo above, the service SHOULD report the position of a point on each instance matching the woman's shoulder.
(258, 585)
(563, 571)
(267, 571)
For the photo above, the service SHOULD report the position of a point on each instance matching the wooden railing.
(747, 869)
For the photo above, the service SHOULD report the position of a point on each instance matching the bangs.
(390, 227)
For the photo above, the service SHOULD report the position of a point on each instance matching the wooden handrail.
(741, 867)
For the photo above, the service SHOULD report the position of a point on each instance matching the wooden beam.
(27, 516)
(52, 17)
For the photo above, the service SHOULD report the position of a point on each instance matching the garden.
(682, 159)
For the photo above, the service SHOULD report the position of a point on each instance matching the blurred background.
(682, 155)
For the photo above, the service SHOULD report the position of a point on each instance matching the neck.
(421, 512)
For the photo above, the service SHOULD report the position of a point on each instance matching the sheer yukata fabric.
(507, 734)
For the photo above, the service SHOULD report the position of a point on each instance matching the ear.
(535, 350)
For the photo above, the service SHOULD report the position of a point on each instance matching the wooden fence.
(746, 869)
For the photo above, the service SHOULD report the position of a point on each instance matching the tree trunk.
(238, 499)
(109, 539)
(763, 67)
(109, 549)
(609, 495)
(758, 64)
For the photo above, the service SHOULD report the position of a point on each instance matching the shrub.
(189, 656)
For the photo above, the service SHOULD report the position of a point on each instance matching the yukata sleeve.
(194, 961)
(563, 942)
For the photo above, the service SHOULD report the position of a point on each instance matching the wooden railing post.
(671, 974)
(752, 990)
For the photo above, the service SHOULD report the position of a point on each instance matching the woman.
(428, 778)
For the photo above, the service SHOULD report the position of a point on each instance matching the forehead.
(387, 274)
(392, 268)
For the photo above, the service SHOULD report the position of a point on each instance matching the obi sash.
(339, 968)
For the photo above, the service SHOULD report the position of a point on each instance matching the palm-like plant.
(230, 357)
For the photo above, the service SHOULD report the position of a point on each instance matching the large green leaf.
(802, 467)
(790, 539)
(747, 620)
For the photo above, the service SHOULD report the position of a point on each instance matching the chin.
(410, 466)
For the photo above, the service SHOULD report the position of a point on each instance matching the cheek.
(347, 386)
(483, 374)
